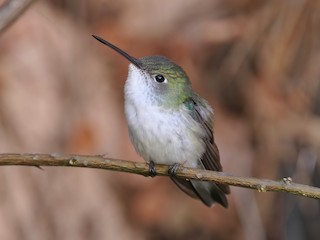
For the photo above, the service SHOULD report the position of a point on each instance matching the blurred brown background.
(257, 62)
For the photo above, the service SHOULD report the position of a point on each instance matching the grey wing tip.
(221, 199)
(216, 197)
(209, 193)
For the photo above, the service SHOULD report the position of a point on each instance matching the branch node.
(141, 168)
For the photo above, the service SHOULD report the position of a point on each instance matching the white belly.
(165, 136)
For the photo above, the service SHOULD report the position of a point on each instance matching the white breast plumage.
(163, 135)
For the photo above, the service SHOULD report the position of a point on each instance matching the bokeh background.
(257, 62)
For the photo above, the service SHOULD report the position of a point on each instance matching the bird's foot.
(152, 169)
(173, 169)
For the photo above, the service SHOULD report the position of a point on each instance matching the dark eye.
(159, 78)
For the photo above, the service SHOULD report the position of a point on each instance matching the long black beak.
(133, 60)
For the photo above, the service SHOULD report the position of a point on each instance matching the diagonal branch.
(101, 162)
(11, 10)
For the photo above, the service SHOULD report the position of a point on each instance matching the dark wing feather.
(211, 157)
(208, 192)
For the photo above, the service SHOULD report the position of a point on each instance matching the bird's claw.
(173, 169)
(152, 169)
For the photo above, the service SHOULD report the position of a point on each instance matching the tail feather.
(207, 192)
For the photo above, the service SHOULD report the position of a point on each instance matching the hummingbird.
(170, 124)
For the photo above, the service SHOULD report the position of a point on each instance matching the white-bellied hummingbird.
(170, 124)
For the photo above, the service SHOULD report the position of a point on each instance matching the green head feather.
(176, 88)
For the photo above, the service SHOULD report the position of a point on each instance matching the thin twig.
(11, 10)
(101, 162)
